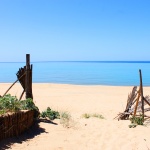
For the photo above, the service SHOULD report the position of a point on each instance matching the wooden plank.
(131, 98)
(137, 101)
(19, 74)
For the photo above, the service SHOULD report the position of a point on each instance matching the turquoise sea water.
(84, 73)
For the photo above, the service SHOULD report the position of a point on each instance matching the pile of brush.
(137, 105)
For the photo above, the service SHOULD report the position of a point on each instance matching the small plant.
(43, 114)
(132, 125)
(137, 120)
(98, 116)
(92, 115)
(51, 114)
(65, 119)
(86, 115)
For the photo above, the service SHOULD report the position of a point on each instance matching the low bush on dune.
(65, 118)
(10, 103)
(51, 114)
(136, 120)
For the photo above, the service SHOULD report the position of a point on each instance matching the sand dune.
(83, 134)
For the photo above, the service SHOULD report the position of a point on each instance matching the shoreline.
(10, 83)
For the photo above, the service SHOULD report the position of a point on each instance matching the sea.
(112, 73)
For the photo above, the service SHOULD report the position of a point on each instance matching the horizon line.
(101, 61)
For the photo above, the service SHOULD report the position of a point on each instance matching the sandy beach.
(82, 134)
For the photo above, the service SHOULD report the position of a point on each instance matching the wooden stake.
(142, 99)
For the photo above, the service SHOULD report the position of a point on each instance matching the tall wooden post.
(141, 88)
(28, 82)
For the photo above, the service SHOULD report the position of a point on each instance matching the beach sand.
(82, 134)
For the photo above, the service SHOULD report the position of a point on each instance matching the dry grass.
(86, 115)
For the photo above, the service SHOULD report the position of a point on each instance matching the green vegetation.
(136, 121)
(92, 115)
(86, 115)
(10, 103)
(65, 117)
(51, 114)
(98, 116)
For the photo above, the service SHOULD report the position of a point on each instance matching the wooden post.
(28, 83)
(31, 80)
(141, 88)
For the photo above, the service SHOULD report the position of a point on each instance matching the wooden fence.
(15, 123)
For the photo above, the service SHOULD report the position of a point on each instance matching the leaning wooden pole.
(12, 85)
(137, 101)
(28, 82)
(141, 88)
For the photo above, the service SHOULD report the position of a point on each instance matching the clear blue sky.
(52, 30)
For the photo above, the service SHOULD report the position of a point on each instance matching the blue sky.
(68, 30)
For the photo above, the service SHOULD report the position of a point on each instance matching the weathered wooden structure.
(137, 103)
(24, 76)
(12, 124)
(15, 123)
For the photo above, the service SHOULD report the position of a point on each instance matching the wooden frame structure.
(136, 103)
(24, 76)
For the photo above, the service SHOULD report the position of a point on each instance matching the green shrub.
(51, 114)
(28, 104)
(137, 120)
(10, 103)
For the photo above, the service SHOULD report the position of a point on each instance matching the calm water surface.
(85, 73)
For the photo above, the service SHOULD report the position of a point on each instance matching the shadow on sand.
(27, 135)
